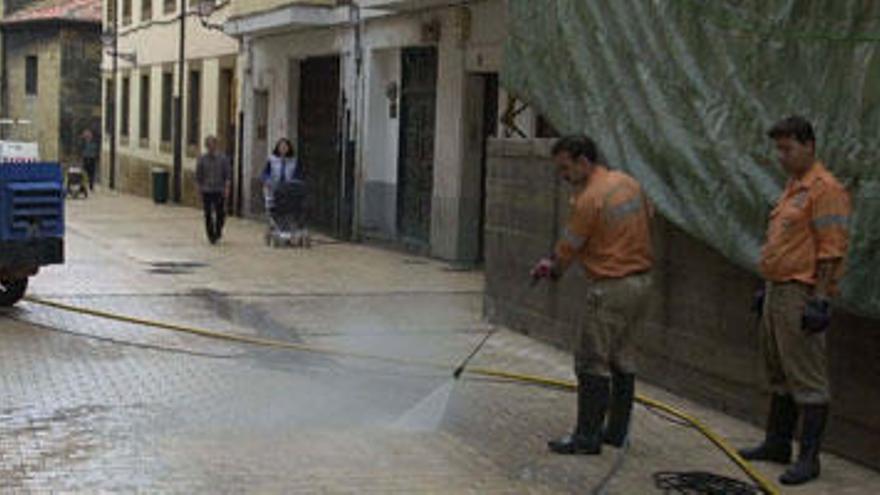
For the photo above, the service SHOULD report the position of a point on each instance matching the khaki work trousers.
(612, 321)
(796, 361)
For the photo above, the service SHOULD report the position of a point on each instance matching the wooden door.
(319, 140)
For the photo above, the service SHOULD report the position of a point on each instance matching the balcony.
(247, 8)
(266, 16)
(400, 5)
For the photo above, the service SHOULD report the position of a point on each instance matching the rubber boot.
(807, 467)
(623, 388)
(780, 431)
(593, 395)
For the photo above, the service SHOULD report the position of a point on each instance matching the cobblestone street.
(93, 405)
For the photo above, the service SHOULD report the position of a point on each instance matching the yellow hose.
(765, 485)
(719, 442)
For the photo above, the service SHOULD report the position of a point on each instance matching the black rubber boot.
(807, 467)
(593, 394)
(623, 389)
(780, 431)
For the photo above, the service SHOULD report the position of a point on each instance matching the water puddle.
(174, 267)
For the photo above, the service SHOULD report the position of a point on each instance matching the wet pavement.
(92, 405)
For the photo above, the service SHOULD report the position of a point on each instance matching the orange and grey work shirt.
(609, 227)
(808, 225)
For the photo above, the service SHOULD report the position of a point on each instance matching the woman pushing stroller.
(284, 190)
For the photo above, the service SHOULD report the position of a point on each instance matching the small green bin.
(160, 185)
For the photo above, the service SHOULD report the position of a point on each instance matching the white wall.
(155, 43)
(471, 41)
(488, 30)
(275, 58)
(381, 138)
(382, 132)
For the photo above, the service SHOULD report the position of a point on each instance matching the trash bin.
(160, 185)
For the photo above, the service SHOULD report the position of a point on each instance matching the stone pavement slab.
(97, 406)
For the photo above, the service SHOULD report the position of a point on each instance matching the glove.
(817, 316)
(758, 302)
(544, 269)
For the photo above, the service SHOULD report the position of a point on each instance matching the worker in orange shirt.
(608, 233)
(801, 262)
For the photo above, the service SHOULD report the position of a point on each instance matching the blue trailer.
(31, 224)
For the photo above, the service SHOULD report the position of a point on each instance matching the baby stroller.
(286, 212)
(77, 183)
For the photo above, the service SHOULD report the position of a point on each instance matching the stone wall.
(68, 97)
(134, 177)
(80, 87)
(701, 340)
(42, 108)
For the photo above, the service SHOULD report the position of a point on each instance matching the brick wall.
(701, 340)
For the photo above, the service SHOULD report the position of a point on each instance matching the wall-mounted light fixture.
(206, 9)
(108, 39)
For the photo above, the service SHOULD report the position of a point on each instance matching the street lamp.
(177, 166)
(206, 10)
(109, 38)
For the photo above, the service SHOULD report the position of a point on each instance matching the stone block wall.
(80, 87)
(701, 340)
(134, 177)
(40, 109)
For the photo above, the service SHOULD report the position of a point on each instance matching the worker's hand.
(545, 268)
(817, 316)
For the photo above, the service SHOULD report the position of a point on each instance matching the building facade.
(389, 103)
(141, 96)
(51, 66)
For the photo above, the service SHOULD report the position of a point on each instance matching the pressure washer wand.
(458, 371)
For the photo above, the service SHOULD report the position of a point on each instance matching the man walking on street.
(608, 233)
(89, 151)
(214, 181)
(801, 262)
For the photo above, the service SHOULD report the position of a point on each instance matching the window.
(167, 106)
(109, 107)
(126, 86)
(145, 107)
(146, 10)
(126, 12)
(195, 108)
(170, 6)
(31, 75)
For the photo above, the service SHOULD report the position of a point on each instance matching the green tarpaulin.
(680, 93)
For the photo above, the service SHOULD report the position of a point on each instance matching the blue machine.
(31, 224)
